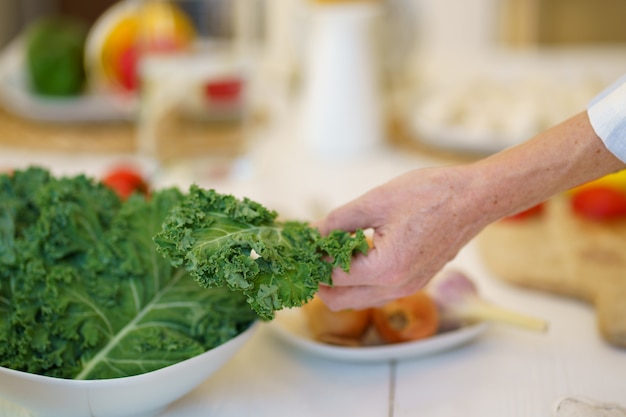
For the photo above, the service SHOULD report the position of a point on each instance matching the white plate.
(16, 96)
(458, 139)
(503, 98)
(290, 325)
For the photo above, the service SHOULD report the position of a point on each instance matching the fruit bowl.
(142, 395)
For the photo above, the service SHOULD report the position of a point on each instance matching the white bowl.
(135, 396)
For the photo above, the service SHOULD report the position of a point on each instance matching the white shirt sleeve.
(607, 114)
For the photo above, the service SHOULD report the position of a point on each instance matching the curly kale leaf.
(83, 292)
(239, 244)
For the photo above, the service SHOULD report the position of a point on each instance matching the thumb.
(349, 217)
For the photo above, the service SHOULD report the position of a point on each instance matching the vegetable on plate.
(343, 328)
(449, 302)
(459, 303)
(405, 319)
(413, 317)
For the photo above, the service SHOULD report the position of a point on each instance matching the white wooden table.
(506, 372)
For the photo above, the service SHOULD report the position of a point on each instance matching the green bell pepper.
(55, 49)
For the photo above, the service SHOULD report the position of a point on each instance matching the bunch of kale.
(94, 287)
(84, 293)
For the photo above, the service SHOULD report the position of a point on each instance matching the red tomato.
(599, 203)
(409, 318)
(531, 212)
(224, 90)
(125, 181)
(127, 68)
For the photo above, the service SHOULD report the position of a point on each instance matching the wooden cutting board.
(563, 254)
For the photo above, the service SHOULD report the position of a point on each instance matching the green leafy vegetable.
(83, 292)
(239, 244)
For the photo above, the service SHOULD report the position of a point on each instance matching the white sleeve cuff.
(607, 114)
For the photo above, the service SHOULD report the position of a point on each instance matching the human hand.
(420, 221)
(424, 217)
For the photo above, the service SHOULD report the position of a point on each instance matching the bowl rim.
(95, 383)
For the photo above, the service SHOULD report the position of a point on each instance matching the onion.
(458, 302)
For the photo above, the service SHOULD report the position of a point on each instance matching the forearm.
(556, 160)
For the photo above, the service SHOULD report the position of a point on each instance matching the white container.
(144, 395)
(173, 93)
(341, 113)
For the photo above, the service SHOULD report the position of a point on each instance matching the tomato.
(599, 203)
(127, 68)
(616, 180)
(224, 90)
(126, 181)
(526, 214)
(408, 318)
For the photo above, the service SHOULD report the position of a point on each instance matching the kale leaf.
(84, 293)
(239, 244)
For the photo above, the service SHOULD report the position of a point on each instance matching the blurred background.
(518, 22)
(203, 80)
(446, 22)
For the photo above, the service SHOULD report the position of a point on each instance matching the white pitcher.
(341, 113)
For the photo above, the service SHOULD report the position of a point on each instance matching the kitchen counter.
(504, 372)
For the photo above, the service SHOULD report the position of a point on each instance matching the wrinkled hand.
(423, 218)
(420, 221)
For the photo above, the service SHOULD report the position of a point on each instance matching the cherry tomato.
(599, 203)
(126, 181)
(408, 318)
(528, 213)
